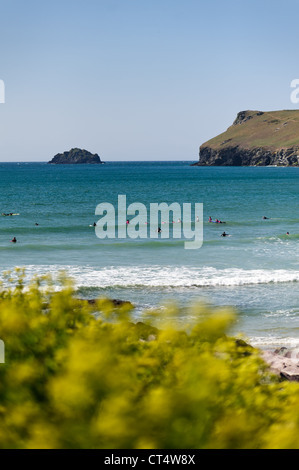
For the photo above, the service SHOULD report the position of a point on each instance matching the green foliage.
(78, 375)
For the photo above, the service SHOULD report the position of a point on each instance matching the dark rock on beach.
(76, 156)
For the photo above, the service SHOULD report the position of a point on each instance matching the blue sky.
(139, 79)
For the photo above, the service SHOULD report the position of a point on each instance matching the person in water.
(224, 234)
(94, 224)
(14, 240)
(265, 218)
(159, 230)
(210, 219)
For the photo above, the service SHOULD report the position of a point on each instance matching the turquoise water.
(255, 269)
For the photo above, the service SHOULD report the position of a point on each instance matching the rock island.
(75, 156)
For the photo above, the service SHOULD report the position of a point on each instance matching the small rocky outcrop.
(76, 156)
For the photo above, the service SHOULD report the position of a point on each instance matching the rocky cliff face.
(256, 138)
(238, 156)
(76, 156)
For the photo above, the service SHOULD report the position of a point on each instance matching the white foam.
(272, 342)
(165, 276)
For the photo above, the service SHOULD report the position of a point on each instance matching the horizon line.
(103, 162)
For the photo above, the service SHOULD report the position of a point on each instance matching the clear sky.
(139, 79)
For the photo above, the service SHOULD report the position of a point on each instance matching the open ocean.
(255, 269)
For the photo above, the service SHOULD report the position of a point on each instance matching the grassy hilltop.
(256, 138)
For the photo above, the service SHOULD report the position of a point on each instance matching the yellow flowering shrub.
(82, 375)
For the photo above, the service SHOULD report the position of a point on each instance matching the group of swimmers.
(128, 222)
(224, 234)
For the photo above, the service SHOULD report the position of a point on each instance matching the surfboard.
(8, 215)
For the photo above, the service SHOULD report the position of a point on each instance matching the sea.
(254, 270)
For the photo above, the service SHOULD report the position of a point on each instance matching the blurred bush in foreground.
(73, 379)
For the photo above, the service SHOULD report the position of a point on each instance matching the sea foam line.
(164, 276)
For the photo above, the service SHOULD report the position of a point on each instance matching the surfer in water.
(224, 234)
(14, 240)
